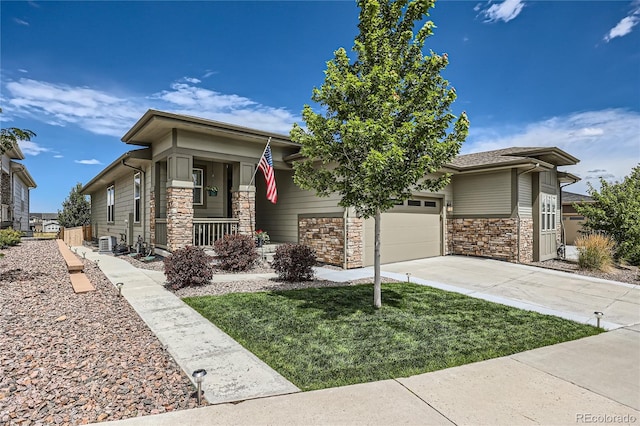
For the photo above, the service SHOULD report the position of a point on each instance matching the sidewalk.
(233, 373)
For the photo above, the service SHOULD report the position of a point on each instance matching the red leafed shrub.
(294, 262)
(235, 252)
(188, 266)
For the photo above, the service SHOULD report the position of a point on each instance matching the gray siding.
(20, 204)
(525, 199)
(123, 210)
(281, 220)
(214, 175)
(482, 194)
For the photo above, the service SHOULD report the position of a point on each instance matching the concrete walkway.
(233, 373)
(592, 380)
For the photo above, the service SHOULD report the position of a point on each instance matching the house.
(500, 204)
(15, 183)
(44, 222)
(572, 221)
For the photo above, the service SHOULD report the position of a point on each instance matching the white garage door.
(410, 231)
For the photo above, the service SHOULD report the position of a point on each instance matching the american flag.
(266, 165)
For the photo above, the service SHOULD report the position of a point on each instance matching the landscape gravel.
(69, 358)
(624, 274)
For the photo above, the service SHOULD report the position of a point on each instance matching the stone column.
(355, 228)
(179, 217)
(243, 208)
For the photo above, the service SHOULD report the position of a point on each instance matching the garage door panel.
(404, 236)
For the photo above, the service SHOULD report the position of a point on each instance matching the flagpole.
(256, 169)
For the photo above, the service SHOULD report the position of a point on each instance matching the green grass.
(326, 337)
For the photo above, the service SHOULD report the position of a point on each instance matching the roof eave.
(25, 176)
(141, 154)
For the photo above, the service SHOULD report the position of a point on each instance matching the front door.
(548, 232)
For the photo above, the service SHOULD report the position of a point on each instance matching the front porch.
(204, 231)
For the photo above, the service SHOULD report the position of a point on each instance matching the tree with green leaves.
(10, 136)
(386, 122)
(76, 209)
(616, 212)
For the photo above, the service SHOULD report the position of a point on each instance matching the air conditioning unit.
(106, 244)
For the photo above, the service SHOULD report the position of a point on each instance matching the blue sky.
(528, 73)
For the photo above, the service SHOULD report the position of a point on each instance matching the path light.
(97, 261)
(198, 376)
(408, 277)
(598, 315)
(84, 254)
(119, 285)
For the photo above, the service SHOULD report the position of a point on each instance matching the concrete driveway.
(568, 295)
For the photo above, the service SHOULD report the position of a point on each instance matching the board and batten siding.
(280, 220)
(20, 204)
(525, 199)
(123, 209)
(482, 194)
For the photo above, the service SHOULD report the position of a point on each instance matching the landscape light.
(198, 377)
(408, 276)
(119, 285)
(598, 315)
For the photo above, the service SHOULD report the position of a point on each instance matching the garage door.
(409, 231)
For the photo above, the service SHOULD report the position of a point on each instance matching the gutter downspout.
(142, 179)
(536, 165)
(345, 215)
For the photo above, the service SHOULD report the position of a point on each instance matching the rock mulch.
(625, 274)
(76, 358)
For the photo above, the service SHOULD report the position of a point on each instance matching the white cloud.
(21, 22)
(22, 70)
(58, 156)
(89, 162)
(32, 148)
(505, 11)
(626, 24)
(607, 142)
(104, 113)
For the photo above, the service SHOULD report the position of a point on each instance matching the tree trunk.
(377, 288)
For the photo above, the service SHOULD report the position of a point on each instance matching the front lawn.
(325, 337)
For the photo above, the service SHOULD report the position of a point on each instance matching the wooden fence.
(76, 236)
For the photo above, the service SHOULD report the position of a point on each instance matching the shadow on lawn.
(336, 302)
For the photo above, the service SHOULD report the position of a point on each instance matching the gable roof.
(572, 197)
(546, 157)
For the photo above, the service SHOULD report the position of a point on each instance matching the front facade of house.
(503, 204)
(15, 184)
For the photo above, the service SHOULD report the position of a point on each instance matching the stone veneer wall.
(5, 188)
(526, 240)
(486, 237)
(179, 217)
(325, 235)
(243, 208)
(355, 230)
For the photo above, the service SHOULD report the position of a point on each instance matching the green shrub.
(188, 266)
(294, 262)
(595, 252)
(9, 237)
(235, 252)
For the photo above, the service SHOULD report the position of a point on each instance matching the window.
(430, 204)
(111, 203)
(548, 212)
(197, 186)
(415, 203)
(136, 197)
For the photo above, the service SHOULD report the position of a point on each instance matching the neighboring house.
(44, 222)
(15, 183)
(572, 221)
(501, 204)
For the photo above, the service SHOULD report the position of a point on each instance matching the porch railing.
(161, 233)
(208, 230)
